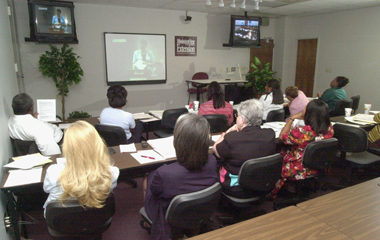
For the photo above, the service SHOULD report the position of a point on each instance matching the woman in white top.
(116, 116)
(273, 99)
(88, 174)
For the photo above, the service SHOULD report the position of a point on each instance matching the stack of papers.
(28, 161)
(164, 146)
(157, 113)
(276, 126)
(352, 120)
(127, 148)
(364, 118)
(139, 116)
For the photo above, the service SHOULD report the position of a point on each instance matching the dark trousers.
(137, 133)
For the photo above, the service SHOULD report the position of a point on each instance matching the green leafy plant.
(260, 75)
(63, 67)
(81, 114)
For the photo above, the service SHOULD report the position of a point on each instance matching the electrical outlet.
(243, 68)
(328, 70)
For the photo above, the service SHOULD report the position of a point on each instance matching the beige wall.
(8, 89)
(92, 20)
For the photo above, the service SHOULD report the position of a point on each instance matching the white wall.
(8, 89)
(348, 44)
(90, 95)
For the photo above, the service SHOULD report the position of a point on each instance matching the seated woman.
(114, 115)
(374, 134)
(297, 98)
(273, 99)
(335, 92)
(317, 127)
(243, 141)
(194, 170)
(216, 103)
(87, 175)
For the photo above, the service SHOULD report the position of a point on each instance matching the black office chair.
(218, 122)
(169, 118)
(21, 147)
(112, 135)
(339, 107)
(319, 155)
(257, 177)
(189, 212)
(193, 90)
(353, 144)
(276, 116)
(355, 103)
(73, 220)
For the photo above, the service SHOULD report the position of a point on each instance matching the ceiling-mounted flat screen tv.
(245, 31)
(51, 22)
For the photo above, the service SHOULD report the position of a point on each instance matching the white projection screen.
(135, 58)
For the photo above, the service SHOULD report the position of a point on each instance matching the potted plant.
(63, 67)
(261, 74)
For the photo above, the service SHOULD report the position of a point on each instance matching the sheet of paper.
(374, 112)
(28, 161)
(142, 116)
(276, 126)
(164, 146)
(64, 125)
(364, 118)
(215, 137)
(23, 177)
(46, 109)
(147, 156)
(127, 148)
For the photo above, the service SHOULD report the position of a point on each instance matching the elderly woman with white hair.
(243, 141)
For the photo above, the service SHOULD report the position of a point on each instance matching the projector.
(188, 18)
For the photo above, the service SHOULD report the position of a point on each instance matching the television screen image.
(246, 30)
(135, 58)
(53, 19)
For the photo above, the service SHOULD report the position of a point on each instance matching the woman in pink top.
(216, 103)
(297, 98)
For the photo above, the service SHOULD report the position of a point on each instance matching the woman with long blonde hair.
(88, 174)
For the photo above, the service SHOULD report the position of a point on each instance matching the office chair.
(355, 103)
(187, 213)
(73, 220)
(169, 118)
(193, 90)
(257, 177)
(353, 145)
(339, 107)
(218, 122)
(319, 155)
(276, 116)
(114, 136)
(21, 147)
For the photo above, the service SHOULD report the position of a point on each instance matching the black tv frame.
(232, 31)
(50, 37)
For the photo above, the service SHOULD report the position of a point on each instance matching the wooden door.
(265, 53)
(305, 69)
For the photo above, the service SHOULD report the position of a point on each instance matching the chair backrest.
(350, 138)
(72, 219)
(112, 135)
(261, 174)
(199, 75)
(355, 102)
(320, 154)
(218, 122)
(276, 115)
(190, 210)
(170, 116)
(339, 107)
(21, 147)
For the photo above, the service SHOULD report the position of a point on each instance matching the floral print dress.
(292, 167)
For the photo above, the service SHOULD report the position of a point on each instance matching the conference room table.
(200, 82)
(128, 165)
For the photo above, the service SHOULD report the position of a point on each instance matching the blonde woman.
(88, 174)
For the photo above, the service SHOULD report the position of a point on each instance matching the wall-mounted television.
(135, 58)
(245, 31)
(51, 22)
